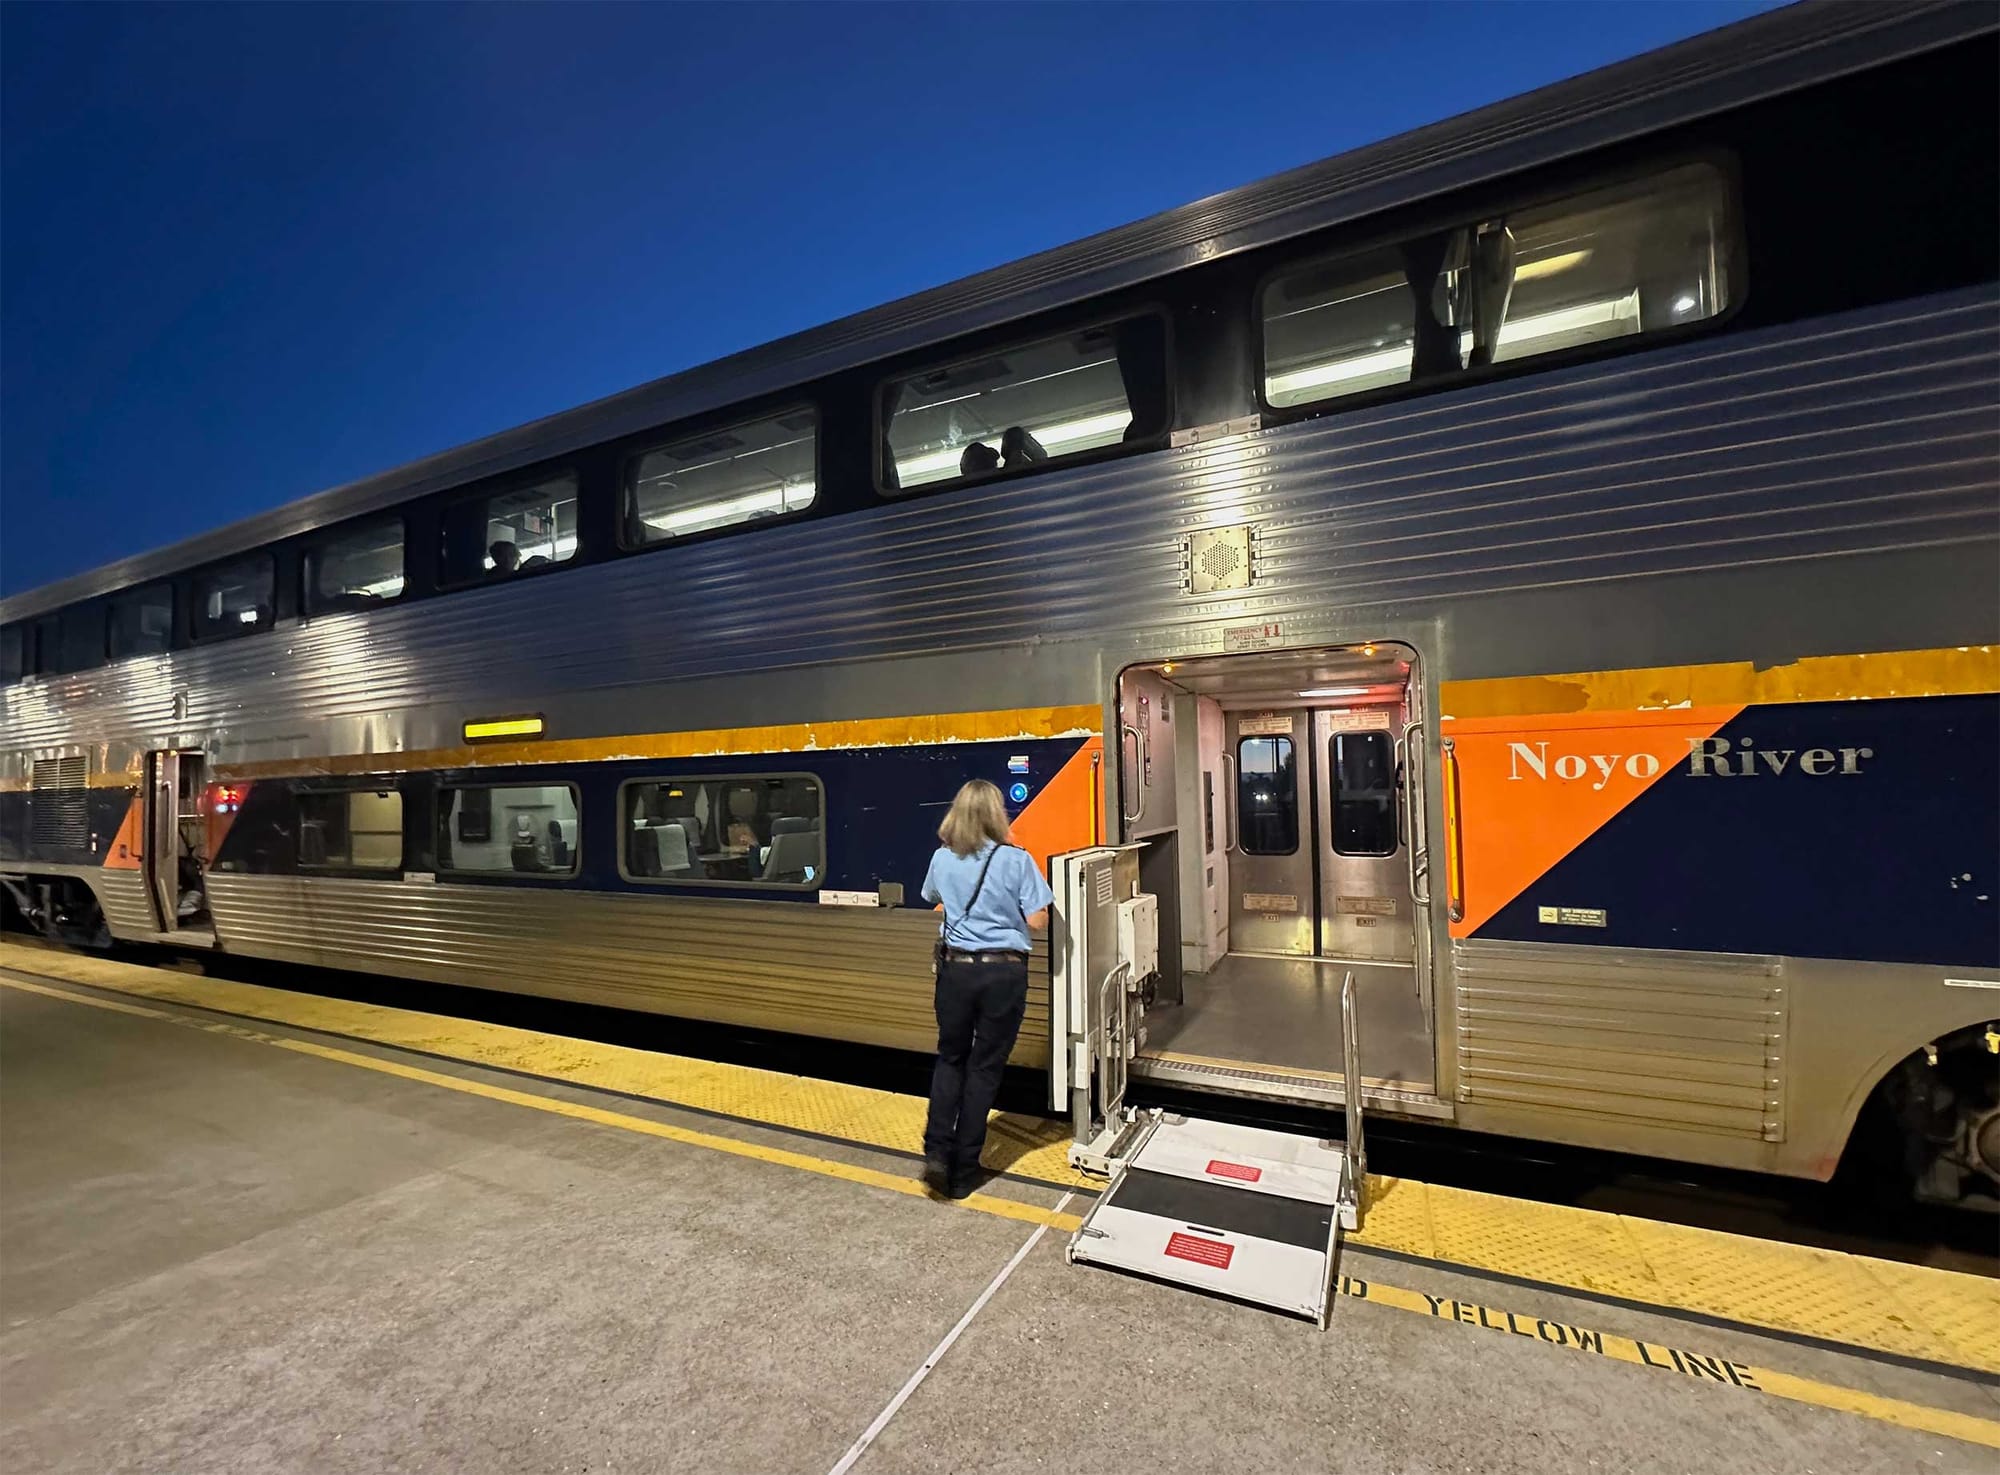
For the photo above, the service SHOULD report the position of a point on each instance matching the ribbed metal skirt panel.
(847, 973)
(1676, 1039)
(121, 896)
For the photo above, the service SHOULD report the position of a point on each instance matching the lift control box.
(1139, 934)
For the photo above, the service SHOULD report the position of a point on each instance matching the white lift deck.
(1243, 1212)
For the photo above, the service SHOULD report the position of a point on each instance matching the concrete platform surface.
(226, 1248)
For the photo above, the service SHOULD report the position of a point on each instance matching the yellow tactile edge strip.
(1907, 1311)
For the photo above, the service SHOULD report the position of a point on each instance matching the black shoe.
(937, 1177)
(964, 1184)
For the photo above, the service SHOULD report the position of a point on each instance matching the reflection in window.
(487, 829)
(760, 469)
(1628, 259)
(744, 829)
(1267, 796)
(142, 622)
(511, 532)
(1022, 406)
(351, 829)
(234, 599)
(357, 567)
(1364, 793)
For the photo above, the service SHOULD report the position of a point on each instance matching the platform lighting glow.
(1336, 691)
(1583, 315)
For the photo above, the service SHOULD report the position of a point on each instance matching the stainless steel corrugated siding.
(1738, 64)
(1667, 1039)
(121, 896)
(847, 973)
(1871, 432)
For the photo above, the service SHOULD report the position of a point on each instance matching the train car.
(1543, 566)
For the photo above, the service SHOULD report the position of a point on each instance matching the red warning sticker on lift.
(1201, 1251)
(1241, 1172)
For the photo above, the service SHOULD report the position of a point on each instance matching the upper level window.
(142, 622)
(755, 829)
(1631, 258)
(13, 654)
(762, 468)
(505, 533)
(71, 641)
(236, 598)
(1019, 407)
(488, 828)
(361, 566)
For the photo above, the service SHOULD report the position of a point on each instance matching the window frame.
(1299, 826)
(1333, 791)
(132, 592)
(348, 870)
(788, 888)
(946, 358)
(493, 578)
(1723, 161)
(628, 470)
(508, 877)
(23, 632)
(311, 602)
(200, 632)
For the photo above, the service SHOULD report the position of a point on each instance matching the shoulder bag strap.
(978, 886)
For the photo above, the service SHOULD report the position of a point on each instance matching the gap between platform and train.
(1698, 1367)
(1905, 1316)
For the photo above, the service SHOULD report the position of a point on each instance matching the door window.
(1364, 793)
(1267, 796)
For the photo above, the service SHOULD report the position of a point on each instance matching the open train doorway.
(1278, 797)
(176, 849)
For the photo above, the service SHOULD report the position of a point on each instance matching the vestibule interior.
(1282, 833)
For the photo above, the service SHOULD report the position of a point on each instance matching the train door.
(176, 848)
(1313, 870)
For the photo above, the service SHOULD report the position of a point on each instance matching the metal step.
(1241, 1212)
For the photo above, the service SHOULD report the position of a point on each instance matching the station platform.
(248, 1229)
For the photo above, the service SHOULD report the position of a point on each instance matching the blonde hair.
(976, 816)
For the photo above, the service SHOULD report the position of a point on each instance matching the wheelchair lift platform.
(1238, 1211)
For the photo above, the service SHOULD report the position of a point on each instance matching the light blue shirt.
(999, 923)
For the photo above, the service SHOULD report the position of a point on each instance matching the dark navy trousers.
(979, 1009)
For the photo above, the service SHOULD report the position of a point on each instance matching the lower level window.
(752, 829)
(490, 829)
(351, 829)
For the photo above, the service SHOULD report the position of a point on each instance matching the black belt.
(955, 955)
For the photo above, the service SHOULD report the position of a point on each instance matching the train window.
(142, 622)
(1364, 793)
(71, 641)
(511, 532)
(762, 468)
(742, 829)
(1017, 408)
(356, 568)
(491, 829)
(1632, 258)
(13, 654)
(350, 829)
(234, 599)
(1267, 796)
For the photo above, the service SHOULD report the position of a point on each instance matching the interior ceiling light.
(1336, 691)
(1059, 439)
(1583, 315)
(1548, 266)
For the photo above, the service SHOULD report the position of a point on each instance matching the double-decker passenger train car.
(1543, 565)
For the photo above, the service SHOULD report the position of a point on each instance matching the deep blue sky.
(250, 253)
